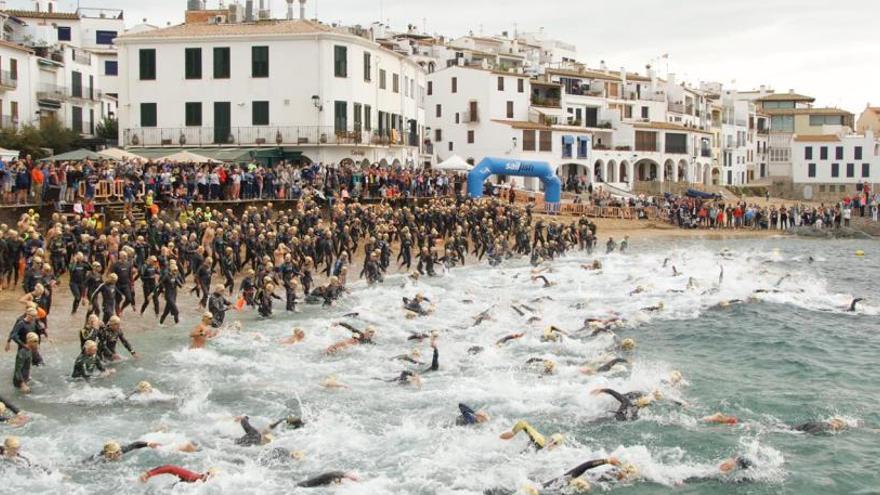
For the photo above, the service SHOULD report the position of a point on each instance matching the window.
(111, 68)
(645, 111)
(858, 152)
(382, 84)
(509, 109)
(148, 115)
(76, 84)
(835, 170)
(193, 110)
(457, 118)
(77, 119)
(92, 121)
(193, 63)
(823, 153)
(340, 61)
(222, 63)
(500, 83)
(13, 68)
(675, 143)
(455, 85)
(439, 110)
(340, 116)
(646, 141)
(147, 59)
(356, 110)
(13, 111)
(819, 120)
(395, 83)
(368, 67)
(260, 113)
(850, 170)
(368, 118)
(430, 88)
(546, 142)
(528, 140)
(471, 137)
(782, 123)
(520, 85)
(104, 37)
(260, 61)
(808, 153)
(450, 146)
(838, 153)
(866, 170)
(63, 33)
(438, 135)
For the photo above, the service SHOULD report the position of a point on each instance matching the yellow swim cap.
(628, 344)
(579, 485)
(111, 448)
(860, 253)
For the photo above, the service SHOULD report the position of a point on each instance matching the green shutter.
(148, 115)
(260, 61)
(340, 61)
(260, 113)
(222, 65)
(193, 114)
(340, 115)
(147, 59)
(193, 59)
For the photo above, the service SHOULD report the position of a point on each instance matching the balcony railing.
(676, 107)
(8, 122)
(678, 150)
(81, 57)
(52, 92)
(7, 81)
(260, 136)
(545, 102)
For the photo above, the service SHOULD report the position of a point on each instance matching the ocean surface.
(778, 359)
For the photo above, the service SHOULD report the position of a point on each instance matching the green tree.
(108, 129)
(57, 137)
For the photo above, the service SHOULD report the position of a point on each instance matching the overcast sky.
(829, 50)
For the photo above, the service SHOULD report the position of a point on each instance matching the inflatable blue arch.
(522, 168)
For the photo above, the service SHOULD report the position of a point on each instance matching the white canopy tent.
(454, 163)
(188, 156)
(7, 155)
(119, 154)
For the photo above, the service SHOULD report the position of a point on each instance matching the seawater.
(787, 357)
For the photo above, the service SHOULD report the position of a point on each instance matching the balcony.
(52, 92)
(676, 150)
(7, 81)
(543, 101)
(8, 122)
(706, 153)
(264, 136)
(81, 57)
(470, 116)
(676, 107)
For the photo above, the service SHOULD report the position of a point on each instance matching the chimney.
(302, 9)
(249, 11)
(623, 78)
(791, 91)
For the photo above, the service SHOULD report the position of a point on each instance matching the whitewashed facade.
(298, 84)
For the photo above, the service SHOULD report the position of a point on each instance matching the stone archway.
(646, 170)
(574, 176)
(611, 174)
(669, 171)
(716, 176)
(684, 174)
(623, 173)
(598, 169)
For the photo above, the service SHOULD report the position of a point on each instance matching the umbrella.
(119, 154)
(188, 156)
(75, 155)
(454, 162)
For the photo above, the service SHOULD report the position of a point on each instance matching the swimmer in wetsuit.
(834, 425)
(608, 366)
(508, 338)
(536, 440)
(252, 436)
(112, 451)
(358, 337)
(292, 422)
(182, 474)
(630, 403)
(329, 478)
(470, 417)
(571, 480)
(414, 305)
(16, 418)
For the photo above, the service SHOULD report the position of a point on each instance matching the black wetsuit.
(813, 427)
(124, 450)
(107, 341)
(610, 364)
(217, 306)
(323, 479)
(627, 411)
(251, 435)
(86, 366)
(468, 416)
(78, 276)
(148, 276)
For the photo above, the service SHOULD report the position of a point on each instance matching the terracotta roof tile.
(41, 15)
(817, 138)
(273, 27)
(786, 97)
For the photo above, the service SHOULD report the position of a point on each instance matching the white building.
(834, 163)
(64, 67)
(319, 92)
